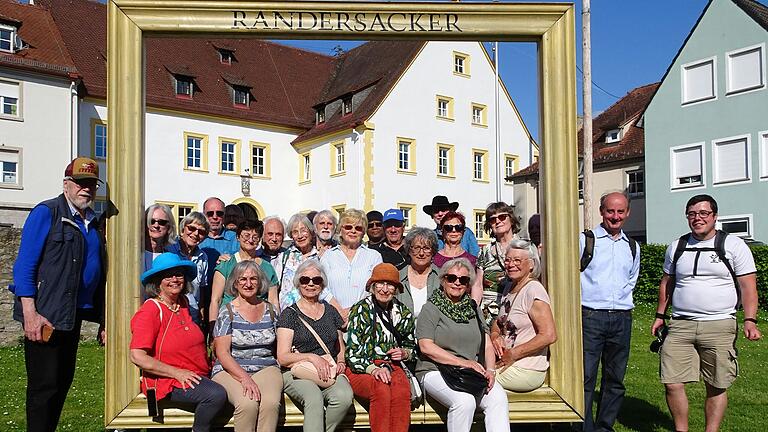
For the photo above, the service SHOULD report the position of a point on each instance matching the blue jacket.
(58, 269)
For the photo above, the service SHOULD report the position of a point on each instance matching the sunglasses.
(161, 222)
(86, 183)
(218, 213)
(317, 280)
(200, 231)
(350, 227)
(451, 278)
(501, 217)
(374, 224)
(453, 228)
(174, 274)
(397, 224)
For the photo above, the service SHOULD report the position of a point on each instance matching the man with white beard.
(325, 227)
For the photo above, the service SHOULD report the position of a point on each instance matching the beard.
(325, 236)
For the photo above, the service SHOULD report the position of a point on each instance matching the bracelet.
(661, 316)
(752, 320)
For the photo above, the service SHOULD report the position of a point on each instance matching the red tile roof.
(45, 51)
(622, 114)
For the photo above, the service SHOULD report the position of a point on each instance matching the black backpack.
(589, 249)
(719, 249)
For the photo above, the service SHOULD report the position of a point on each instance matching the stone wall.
(10, 330)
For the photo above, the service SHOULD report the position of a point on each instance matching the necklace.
(174, 308)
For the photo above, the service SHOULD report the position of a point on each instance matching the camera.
(661, 334)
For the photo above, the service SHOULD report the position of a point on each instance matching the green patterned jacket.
(366, 343)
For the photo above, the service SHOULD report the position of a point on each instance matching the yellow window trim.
(339, 209)
(482, 235)
(484, 152)
(467, 71)
(483, 115)
(203, 154)
(305, 178)
(94, 123)
(267, 160)
(449, 99)
(237, 143)
(334, 152)
(411, 156)
(515, 165)
(174, 205)
(411, 213)
(451, 151)
(535, 155)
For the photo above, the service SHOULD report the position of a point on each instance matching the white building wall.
(410, 111)
(44, 135)
(167, 180)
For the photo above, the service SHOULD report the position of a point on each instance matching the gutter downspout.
(73, 119)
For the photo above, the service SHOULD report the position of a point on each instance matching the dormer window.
(320, 115)
(241, 96)
(346, 105)
(613, 136)
(185, 86)
(226, 56)
(7, 38)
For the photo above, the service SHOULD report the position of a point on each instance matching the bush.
(652, 268)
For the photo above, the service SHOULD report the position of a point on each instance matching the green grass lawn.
(644, 408)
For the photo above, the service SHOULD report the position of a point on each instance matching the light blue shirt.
(347, 279)
(608, 281)
(225, 243)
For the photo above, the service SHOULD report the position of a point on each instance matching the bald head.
(614, 209)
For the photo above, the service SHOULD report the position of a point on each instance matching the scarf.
(460, 312)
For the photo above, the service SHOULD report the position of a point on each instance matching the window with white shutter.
(687, 166)
(698, 80)
(746, 69)
(730, 159)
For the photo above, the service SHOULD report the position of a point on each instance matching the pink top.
(516, 325)
(440, 259)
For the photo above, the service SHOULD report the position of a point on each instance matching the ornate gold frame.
(550, 25)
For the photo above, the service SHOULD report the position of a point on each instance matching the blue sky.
(633, 43)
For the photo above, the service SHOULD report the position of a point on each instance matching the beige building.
(618, 160)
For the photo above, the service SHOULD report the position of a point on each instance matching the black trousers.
(50, 370)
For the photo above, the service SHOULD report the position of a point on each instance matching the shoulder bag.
(416, 392)
(466, 380)
(306, 370)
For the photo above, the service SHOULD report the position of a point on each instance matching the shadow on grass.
(640, 415)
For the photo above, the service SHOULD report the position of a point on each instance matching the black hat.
(374, 215)
(440, 202)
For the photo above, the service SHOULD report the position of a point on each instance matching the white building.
(279, 130)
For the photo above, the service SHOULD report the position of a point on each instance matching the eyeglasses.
(253, 280)
(250, 237)
(375, 224)
(501, 217)
(305, 280)
(178, 274)
(298, 232)
(350, 227)
(452, 278)
(218, 213)
(161, 222)
(419, 249)
(701, 213)
(515, 261)
(453, 228)
(200, 231)
(384, 285)
(86, 183)
(394, 223)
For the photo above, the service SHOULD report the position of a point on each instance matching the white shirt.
(347, 279)
(419, 295)
(704, 289)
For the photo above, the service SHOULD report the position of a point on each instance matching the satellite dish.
(18, 44)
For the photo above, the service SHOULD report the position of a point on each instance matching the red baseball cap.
(82, 168)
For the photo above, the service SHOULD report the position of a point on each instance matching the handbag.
(464, 379)
(306, 370)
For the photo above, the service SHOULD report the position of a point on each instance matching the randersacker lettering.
(342, 21)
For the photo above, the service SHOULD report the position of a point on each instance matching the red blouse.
(183, 347)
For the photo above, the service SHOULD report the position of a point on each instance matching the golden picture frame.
(551, 26)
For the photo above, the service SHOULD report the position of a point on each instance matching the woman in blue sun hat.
(168, 347)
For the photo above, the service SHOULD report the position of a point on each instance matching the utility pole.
(586, 60)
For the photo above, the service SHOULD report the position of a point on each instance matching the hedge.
(652, 263)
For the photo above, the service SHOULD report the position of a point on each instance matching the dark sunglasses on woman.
(451, 278)
(453, 228)
(501, 217)
(161, 222)
(317, 280)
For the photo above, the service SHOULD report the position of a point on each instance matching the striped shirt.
(347, 279)
(252, 343)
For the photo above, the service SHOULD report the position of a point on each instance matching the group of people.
(327, 316)
(234, 314)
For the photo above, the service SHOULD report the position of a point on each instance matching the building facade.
(706, 126)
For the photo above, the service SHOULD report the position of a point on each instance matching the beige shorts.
(700, 349)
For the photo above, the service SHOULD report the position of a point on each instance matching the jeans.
(50, 370)
(607, 337)
(207, 396)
